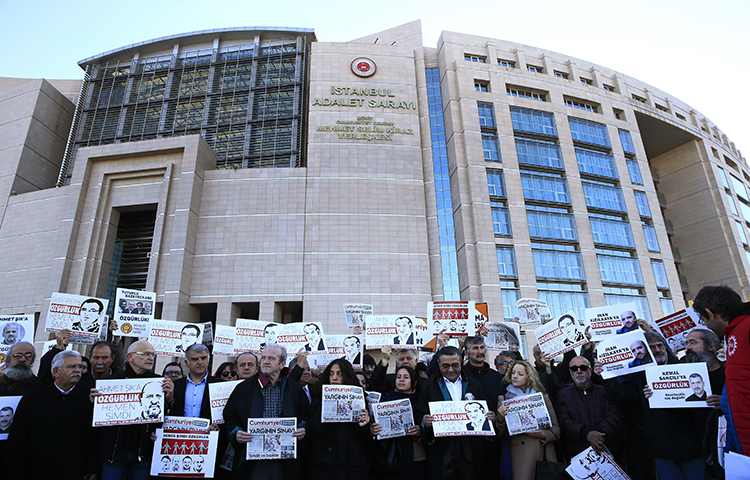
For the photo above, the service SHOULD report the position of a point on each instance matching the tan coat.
(525, 451)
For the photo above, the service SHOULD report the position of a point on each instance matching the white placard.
(251, 335)
(350, 347)
(675, 327)
(224, 340)
(610, 320)
(456, 319)
(218, 394)
(82, 315)
(590, 464)
(272, 439)
(679, 385)
(526, 414)
(134, 311)
(355, 315)
(394, 417)
(532, 311)
(502, 336)
(184, 454)
(342, 403)
(560, 335)
(128, 401)
(8, 407)
(460, 418)
(296, 336)
(173, 338)
(624, 354)
(397, 331)
(14, 329)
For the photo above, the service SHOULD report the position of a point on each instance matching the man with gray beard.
(18, 378)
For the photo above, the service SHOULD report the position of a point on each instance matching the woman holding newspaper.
(540, 430)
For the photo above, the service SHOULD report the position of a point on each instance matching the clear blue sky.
(696, 51)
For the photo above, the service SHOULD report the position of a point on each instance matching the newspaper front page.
(590, 464)
(342, 403)
(355, 315)
(502, 336)
(532, 311)
(395, 417)
(560, 335)
(526, 414)
(272, 439)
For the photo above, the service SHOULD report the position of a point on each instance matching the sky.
(693, 50)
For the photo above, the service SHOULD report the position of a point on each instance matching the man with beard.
(629, 323)
(12, 333)
(18, 378)
(151, 400)
(6, 419)
(125, 450)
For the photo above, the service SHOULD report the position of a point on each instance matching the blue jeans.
(127, 466)
(689, 470)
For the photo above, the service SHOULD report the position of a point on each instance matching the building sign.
(363, 67)
(364, 128)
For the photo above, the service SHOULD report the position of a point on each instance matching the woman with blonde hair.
(527, 448)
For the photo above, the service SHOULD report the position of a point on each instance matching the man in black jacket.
(18, 378)
(191, 391)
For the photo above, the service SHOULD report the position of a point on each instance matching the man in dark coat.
(18, 378)
(191, 391)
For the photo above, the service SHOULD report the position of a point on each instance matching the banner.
(680, 385)
(272, 439)
(590, 464)
(80, 314)
(83, 338)
(128, 401)
(15, 328)
(186, 424)
(454, 318)
(395, 417)
(532, 311)
(297, 336)
(355, 315)
(624, 354)
(184, 454)
(224, 340)
(526, 414)
(218, 394)
(342, 403)
(460, 418)
(502, 336)
(134, 310)
(173, 338)
(675, 327)
(8, 407)
(349, 347)
(611, 320)
(397, 331)
(560, 335)
(251, 336)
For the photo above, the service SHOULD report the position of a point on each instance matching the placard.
(456, 319)
(224, 340)
(679, 385)
(8, 407)
(251, 335)
(502, 336)
(532, 311)
(297, 336)
(218, 394)
(560, 335)
(14, 329)
(342, 403)
(396, 331)
(272, 439)
(590, 464)
(134, 311)
(611, 320)
(128, 401)
(350, 347)
(624, 354)
(460, 418)
(675, 327)
(355, 315)
(173, 338)
(526, 414)
(82, 315)
(394, 417)
(184, 454)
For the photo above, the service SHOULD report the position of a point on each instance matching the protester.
(361, 379)
(479, 370)
(379, 381)
(368, 365)
(527, 448)
(503, 361)
(172, 371)
(191, 391)
(18, 378)
(102, 357)
(247, 365)
(227, 372)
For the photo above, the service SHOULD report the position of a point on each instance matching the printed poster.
(675, 327)
(15, 328)
(502, 336)
(134, 310)
(456, 319)
(560, 335)
(349, 347)
(173, 338)
(218, 394)
(83, 338)
(624, 354)
(395, 417)
(272, 439)
(611, 320)
(460, 418)
(8, 407)
(297, 336)
(128, 401)
(342, 403)
(208, 333)
(252, 336)
(184, 454)
(532, 311)
(186, 424)
(355, 315)
(80, 314)
(224, 340)
(526, 414)
(481, 316)
(590, 464)
(397, 331)
(680, 385)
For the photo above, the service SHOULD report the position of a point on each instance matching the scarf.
(514, 391)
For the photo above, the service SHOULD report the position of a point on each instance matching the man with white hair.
(53, 406)
(19, 378)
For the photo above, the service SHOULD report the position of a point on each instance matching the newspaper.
(224, 340)
(680, 385)
(186, 424)
(502, 336)
(251, 335)
(14, 329)
(561, 335)
(395, 417)
(81, 338)
(610, 320)
(590, 464)
(296, 336)
(456, 319)
(349, 347)
(466, 417)
(373, 397)
(208, 333)
(397, 331)
(134, 310)
(80, 314)
(675, 327)
(173, 338)
(526, 414)
(624, 354)
(355, 315)
(184, 454)
(272, 439)
(218, 394)
(128, 401)
(342, 403)
(8, 407)
(532, 311)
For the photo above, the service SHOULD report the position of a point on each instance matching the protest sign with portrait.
(134, 311)
(224, 340)
(502, 336)
(272, 439)
(173, 338)
(610, 320)
(218, 394)
(680, 385)
(128, 401)
(456, 319)
(624, 354)
(14, 329)
(590, 464)
(355, 315)
(349, 347)
(526, 414)
(295, 336)
(8, 407)
(397, 331)
(675, 327)
(342, 403)
(82, 315)
(395, 418)
(251, 335)
(184, 454)
(466, 417)
(560, 335)
(532, 311)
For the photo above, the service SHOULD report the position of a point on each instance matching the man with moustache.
(32, 450)
(191, 398)
(18, 378)
(102, 356)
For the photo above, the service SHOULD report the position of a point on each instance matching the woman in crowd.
(527, 448)
(227, 372)
(410, 449)
(337, 451)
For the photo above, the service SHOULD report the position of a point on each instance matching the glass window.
(538, 153)
(491, 147)
(660, 274)
(506, 262)
(552, 226)
(501, 221)
(739, 187)
(534, 68)
(642, 201)
(589, 132)
(635, 172)
(533, 121)
(506, 63)
(582, 105)
(627, 142)
(486, 114)
(604, 197)
(474, 58)
(510, 297)
(544, 188)
(596, 163)
(558, 265)
(641, 309)
(732, 205)
(561, 74)
(652, 243)
(495, 183)
(620, 270)
(667, 306)
(745, 211)
(561, 302)
(611, 232)
(481, 86)
(515, 92)
(723, 176)
(741, 231)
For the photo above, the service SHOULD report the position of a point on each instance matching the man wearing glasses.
(18, 378)
(90, 313)
(587, 416)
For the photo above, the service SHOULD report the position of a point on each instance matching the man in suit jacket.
(191, 391)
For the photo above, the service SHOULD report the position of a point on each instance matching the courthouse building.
(259, 173)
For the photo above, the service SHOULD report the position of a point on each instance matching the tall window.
(660, 274)
(627, 142)
(723, 176)
(491, 147)
(496, 183)
(739, 187)
(589, 132)
(641, 309)
(533, 121)
(501, 221)
(538, 153)
(635, 172)
(642, 201)
(544, 188)
(603, 197)
(596, 163)
(611, 232)
(562, 300)
(741, 231)
(565, 265)
(620, 270)
(506, 262)
(486, 114)
(544, 225)
(732, 205)
(652, 243)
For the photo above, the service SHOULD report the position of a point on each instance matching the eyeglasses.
(228, 374)
(27, 356)
(173, 374)
(448, 366)
(507, 363)
(146, 354)
(583, 368)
